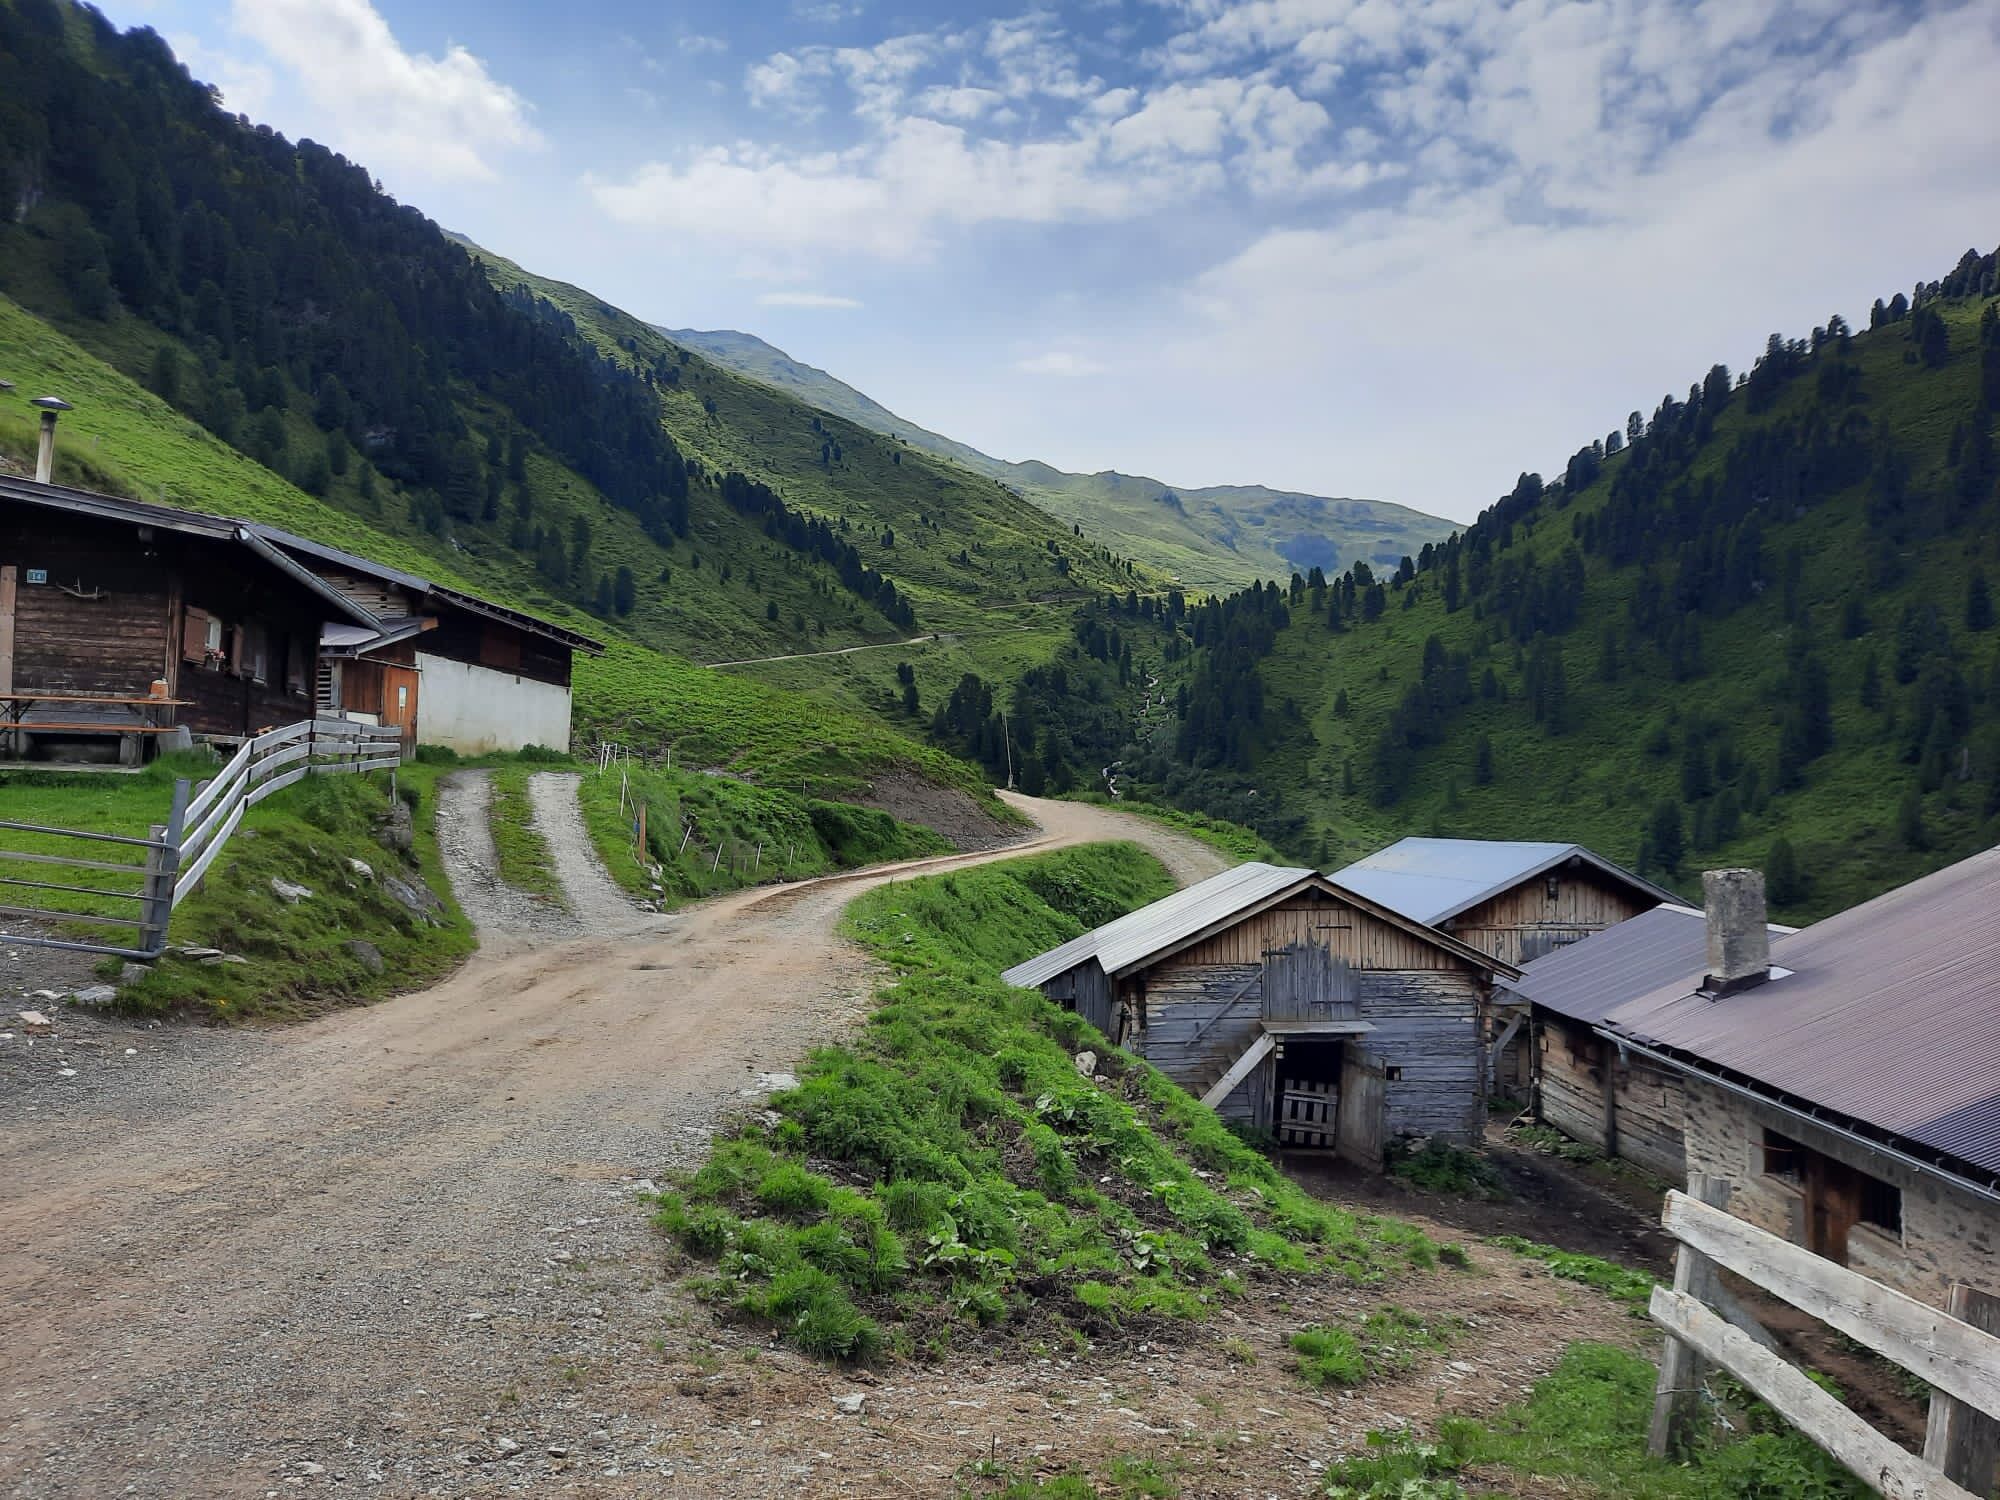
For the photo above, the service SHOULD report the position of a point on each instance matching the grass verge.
(1232, 840)
(519, 850)
(1622, 1283)
(1583, 1430)
(954, 1170)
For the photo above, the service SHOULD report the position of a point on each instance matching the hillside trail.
(243, 1259)
(514, 921)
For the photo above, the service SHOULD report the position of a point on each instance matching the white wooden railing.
(179, 852)
(1950, 1350)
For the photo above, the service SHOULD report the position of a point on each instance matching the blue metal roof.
(1433, 880)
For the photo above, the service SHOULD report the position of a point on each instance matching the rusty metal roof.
(1588, 979)
(1890, 1015)
(1433, 880)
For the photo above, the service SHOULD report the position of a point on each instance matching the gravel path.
(399, 1245)
(597, 903)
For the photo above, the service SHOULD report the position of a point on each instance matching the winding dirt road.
(361, 1250)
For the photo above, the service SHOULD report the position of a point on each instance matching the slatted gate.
(1309, 1114)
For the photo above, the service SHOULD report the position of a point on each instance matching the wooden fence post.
(163, 864)
(1677, 1396)
(1961, 1440)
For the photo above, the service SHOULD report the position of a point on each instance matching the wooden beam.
(1736, 1315)
(1951, 1355)
(8, 572)
(1239, 1070)
(1677, 1417)
(1961, 1441)
(1500, 1046)
(1868, 1455)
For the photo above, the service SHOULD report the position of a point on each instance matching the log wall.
(1642, 1122)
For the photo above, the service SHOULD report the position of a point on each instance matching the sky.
(1400, 249)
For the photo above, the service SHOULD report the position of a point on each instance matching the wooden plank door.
(1364, 1098)
(399, 702)
(1309, 1114)
(1833, 1205)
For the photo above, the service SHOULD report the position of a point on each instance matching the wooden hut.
(121, 621)
(1517, 901)
(1293, 1006)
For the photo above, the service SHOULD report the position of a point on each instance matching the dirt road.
(366, 1249)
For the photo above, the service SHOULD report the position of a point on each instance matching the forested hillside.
(268, 291)
(1218, 537)
(1757, 625)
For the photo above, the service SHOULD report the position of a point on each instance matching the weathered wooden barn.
(122, 621)
(1293, 1006)
(1582, 1082)
(1845, 1078)
(1515, 901)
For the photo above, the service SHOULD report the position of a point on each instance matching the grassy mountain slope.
(124, 439)
(1819, 669)
(1219, 537)
(968, 551)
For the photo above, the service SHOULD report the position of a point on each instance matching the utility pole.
(1007, 740)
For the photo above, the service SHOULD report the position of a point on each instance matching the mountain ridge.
(1209, 535)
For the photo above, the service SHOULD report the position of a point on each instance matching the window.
(1392, 1074)
(1784, 1158)
(1882, 1205)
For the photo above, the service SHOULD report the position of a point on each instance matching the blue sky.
(1393, 248)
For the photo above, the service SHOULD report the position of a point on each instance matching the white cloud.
(699, 43)
(246, 86)
(815, 300)
(437, 117)
(1064, 364)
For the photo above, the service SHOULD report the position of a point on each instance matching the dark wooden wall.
(467, 637)
(1624, 1107)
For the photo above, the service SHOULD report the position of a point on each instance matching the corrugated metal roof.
(1434, 880)
(1587, 979)
(1890, 1016)
(1138, 934)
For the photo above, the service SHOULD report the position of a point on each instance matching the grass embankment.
(706, 834)
(1227, 838)
(350, 939)
(952, 1170)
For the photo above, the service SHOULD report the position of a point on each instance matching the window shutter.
(194, 635)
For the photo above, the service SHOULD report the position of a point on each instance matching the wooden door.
(1833, 1205)
(1358, 1137)
(1309, 1114)
(399, 702)
(1305, 982)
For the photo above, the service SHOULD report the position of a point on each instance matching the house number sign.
(38, 575)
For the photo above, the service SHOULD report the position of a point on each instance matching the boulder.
(133, 973)
(414, 897)
(394, 829)
(368, 954)
(289, 893)
(362, 868)
(1086, 1063)
(96, 994)
(851, 1404)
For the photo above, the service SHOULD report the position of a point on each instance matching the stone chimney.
(1739, 942)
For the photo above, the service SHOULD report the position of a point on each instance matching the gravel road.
(597, 903)
(385, 1247)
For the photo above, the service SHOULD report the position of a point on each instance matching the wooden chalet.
(1293, 1006)
(122, 622)
(1514, 900)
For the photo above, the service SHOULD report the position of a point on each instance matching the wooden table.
(15, 707)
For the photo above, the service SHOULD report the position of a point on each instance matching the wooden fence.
(1955, 1352)
(179, 852)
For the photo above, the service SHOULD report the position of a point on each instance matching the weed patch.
(1451, 1170)
(1623, 1283)
(1585, 1423)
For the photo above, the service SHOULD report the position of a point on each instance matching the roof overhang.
(1312, 881)
(1575, 854)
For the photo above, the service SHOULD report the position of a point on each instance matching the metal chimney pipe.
(45, 454)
